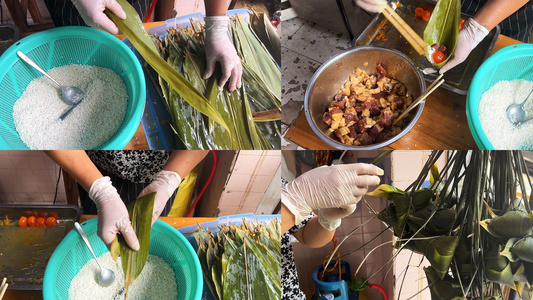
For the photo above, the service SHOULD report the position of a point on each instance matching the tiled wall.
(252, 174)
(406, 166)
(29, 177)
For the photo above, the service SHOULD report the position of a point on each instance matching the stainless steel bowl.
(329, 78)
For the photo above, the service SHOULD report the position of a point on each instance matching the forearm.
(77, 164)
(216, 7)
(183, 161)
(312, 235)
(495, 11)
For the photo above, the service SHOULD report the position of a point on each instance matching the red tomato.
(30, 213)
(418, 12)
(51, 221)
(23, 222)
(54, 215)
(426, 15)
(438, 57)
(462, 24)
(40, 222)
(43, 215)
(32, 221)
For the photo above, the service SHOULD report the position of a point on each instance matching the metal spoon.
(106, 276)
(516, 113)
(71, 95)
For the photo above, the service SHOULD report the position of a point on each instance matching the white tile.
(268, 165)
(246, 164)
(230, 199)
(261, 182)
(253, 199)
(238, 183)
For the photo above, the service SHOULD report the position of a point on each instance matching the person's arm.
(179, 164)
(495, 11)
(113, 216)
(478, 27)
(77, 164)
(215, 7)
(312, 235)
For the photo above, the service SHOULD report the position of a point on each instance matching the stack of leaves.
(469, 224)
(204, 117)
(242, 262)
(140, 212)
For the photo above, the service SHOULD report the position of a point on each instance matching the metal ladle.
(106, 276)
(516, 113)
(71, 94)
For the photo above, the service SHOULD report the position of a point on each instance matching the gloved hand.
(471, 35)
(373, 6)
(92, 12)
(218, 47)
(332, 190)
(112, 214)
(164, 184)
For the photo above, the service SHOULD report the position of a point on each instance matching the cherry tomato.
(418, 12)
(53, 214)
(426, 15)
(23, 222)
(462, 24)
(40, 222)
(438, 57)
(51, 221)
(43, 215)
(30, 213)
(32, 221)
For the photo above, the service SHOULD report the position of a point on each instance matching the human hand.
(92, 12)
(218, 47)
(332, 190)
(471, 35)
(112, 214)
(164, 185)
(373, 6)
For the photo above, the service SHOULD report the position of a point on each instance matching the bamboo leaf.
(498, 268)
(524, 249)
(385, 190)
(439, 252)
(511, 224)
(443, 27)
(133, 28)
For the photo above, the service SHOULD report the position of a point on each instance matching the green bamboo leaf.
(441, 222)
(443, 27)
(439, 252)
(524, 249)
(385, 190)
(507, 250)
(421, 198)
(442, 289)
(133, 28)
(498, 268)
(434, 175)
(267, 34)
(140, 212)
(519, 271)
(511, 224)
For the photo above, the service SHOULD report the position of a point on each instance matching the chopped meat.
(374, 108)
(399, 102)
(366, 139)
(382, 94)
(340, 104)
(375, 131)
(386, 118)
(380, 71)
(351, 116)
(327, 118)
(353, 133)
(440, 48)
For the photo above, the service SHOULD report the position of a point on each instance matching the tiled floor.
(304, 47)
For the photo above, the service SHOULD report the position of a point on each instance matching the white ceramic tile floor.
(305, 46)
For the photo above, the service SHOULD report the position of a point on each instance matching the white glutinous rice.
(156, 281)
(492, 115)
(96, 119)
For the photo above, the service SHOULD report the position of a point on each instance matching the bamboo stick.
(412, 37)
(3, 288)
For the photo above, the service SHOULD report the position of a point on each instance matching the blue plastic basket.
(510, 63)
(63, 46)
(165, 241)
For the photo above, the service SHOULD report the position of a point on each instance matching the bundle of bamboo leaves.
(469, 224)
(242, 262)
(204, 117)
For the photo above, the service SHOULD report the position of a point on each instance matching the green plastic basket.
(509, 63)
(63, 46)
(165, 241)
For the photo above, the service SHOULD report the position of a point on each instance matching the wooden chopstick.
(3, 288)
(412, 37)
(421, 98)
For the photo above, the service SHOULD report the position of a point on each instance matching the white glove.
(332, 190)
(471, 35)
(373, 6)
(92, 12)
(164, 184)
(112, 214)
(218, 47)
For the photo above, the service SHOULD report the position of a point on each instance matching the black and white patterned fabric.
(289, 276)
(130, 173)
(518, 25)
(63, 12)
(134, 165)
